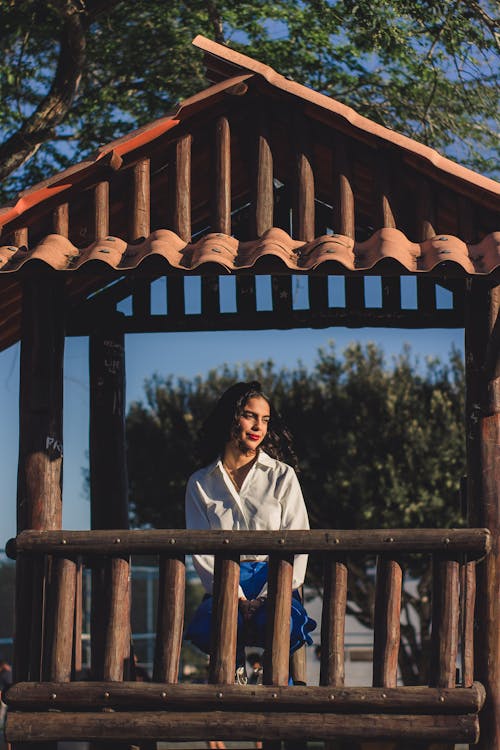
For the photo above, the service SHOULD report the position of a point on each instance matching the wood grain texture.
(387, 628)
(332, 670)
(222, 177)
(279, 605)
(171, 595)
(224, 619)
(141, 200)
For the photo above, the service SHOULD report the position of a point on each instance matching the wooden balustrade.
(442, 711)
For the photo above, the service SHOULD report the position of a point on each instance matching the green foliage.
(427, 69)
(378, 446)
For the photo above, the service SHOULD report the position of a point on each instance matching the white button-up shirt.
(269, 499)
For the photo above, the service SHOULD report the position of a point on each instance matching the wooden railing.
(440, 711)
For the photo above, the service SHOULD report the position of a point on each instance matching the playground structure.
(255, 176)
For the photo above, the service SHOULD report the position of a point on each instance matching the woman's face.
(251, 427)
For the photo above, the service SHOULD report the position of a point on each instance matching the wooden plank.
(210, 301)
(263, 187)
(475, 542)
(318, 293)
(354, 293)
(333, 622)
(224, 619)
(85, 695)
(468, 599)
(387, 628)
(343, 198)
(141, 299)
(60, 219)
(101, 210)
(246, 302)
(282, 294)
(445, 621)
(303, 217)
(171, 593)
(279, 604)
(175, 297)
(221, 220)
(426, 294)
(391, 293)
(195, 725)
(117, 638)
(182, 197)
(141, 200)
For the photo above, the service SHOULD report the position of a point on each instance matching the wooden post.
(343, 199)
(182, 197)
(171, 594)
(108, 469)
(101, 210)
(222, 177)
(445, 621)
(387, 623)
(224, 619)
(140, 214)
(277, 653)
(482, 342)
(39, 486)
(304, 209)
(333, 622)
(263, 190)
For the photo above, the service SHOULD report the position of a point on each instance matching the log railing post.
(445, 621)
(224, 619)
(277, 654)
(117, 633)
(101, 210)
(468, 600)
(387, 623)
(333, 622)
(171, 594)
(60, 620)
(304, 208)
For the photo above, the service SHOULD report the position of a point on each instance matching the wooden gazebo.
(254, 176)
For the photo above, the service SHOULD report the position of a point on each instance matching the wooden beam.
(83, 695)
(243, 725)
(474, 542)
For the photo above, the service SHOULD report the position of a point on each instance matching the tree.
(78, 73)
(378, 446)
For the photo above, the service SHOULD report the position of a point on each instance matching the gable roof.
(408, 209)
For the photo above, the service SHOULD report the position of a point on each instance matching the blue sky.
(181, 355)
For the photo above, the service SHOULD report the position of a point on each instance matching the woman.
(246, 485)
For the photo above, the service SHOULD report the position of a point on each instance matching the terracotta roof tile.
(276, 246)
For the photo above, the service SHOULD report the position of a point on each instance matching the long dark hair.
(221, 424)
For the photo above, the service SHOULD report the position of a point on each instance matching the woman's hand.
(248, 607)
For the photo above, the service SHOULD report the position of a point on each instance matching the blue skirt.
(253, 576)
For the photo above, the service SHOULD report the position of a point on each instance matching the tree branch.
(40, 126)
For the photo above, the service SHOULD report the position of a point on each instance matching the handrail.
(474, 542)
